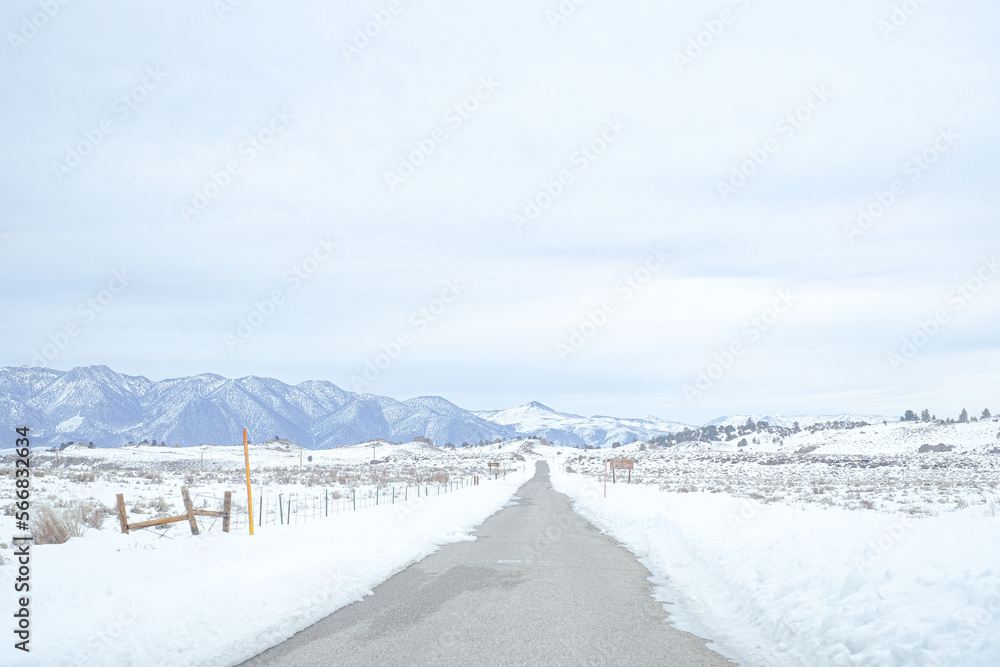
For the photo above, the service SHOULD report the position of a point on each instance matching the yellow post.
(246, 457)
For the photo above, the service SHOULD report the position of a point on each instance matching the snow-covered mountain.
(96, 404)
(569, 430)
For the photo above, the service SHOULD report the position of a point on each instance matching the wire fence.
(292, 507)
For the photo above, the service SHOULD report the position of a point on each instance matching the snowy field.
(862, 551)
(165, 597)
(876, 467)
(822, 547)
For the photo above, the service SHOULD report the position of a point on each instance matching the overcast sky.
(116, 116)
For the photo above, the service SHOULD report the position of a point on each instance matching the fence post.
(227, 504)
(376, 496)
(260, 519)
(122, 516)
(327, 511)
(393, 495)
(354, 500)
(290, 508)
(189, 508)
(281, 511)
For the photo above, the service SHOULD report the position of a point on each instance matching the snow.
(795, 584)
(560, 428)
(117, 408)
(803, 420)
(112, 599)
(862, 551)
(69, 425)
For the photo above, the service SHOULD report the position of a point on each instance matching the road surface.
(539, 586)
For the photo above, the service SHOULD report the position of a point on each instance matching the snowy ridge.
(569, 430)
(96, 404)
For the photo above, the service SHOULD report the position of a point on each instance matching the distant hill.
(803, 420)
(96, 404)
(569, 430)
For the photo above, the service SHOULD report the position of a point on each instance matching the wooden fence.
(190, 514)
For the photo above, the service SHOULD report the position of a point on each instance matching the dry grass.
(51, 526)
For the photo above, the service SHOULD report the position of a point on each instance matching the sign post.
(495, 467)
(620, 464)
(246, 458)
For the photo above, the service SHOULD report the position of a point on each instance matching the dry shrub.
(49, 526)
(94, 512)
(153, 476)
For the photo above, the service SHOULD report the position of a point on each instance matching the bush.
(51, 527)
(92, 513)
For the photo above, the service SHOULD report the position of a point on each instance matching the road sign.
(621, 464)
(494, 464)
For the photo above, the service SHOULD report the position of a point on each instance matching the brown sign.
(494, 464)
(621, 464)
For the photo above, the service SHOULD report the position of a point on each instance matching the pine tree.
(963, 418)
(986, 414)
(925, 415)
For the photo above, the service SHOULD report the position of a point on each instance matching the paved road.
(539, 586)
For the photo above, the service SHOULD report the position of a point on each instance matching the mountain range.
(96, 404)
(571, 430)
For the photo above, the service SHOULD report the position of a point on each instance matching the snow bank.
(776, 585)
(217, 599)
